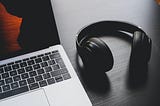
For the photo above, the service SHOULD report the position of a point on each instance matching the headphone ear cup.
(139, 50)
(149, 48)
(97, 55)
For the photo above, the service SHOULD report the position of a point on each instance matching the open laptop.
(40, 74)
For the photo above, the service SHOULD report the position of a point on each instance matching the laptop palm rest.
(36, 98)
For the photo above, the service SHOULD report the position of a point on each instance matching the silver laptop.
(44, 77)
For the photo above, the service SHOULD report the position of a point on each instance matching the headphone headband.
(104, 28)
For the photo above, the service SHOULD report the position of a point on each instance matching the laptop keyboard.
(32, 73)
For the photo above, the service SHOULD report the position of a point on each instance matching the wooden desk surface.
(72, 15)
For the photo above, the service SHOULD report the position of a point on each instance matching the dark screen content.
(34, 25)
(9, 31)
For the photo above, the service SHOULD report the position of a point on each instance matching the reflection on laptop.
(45, 76)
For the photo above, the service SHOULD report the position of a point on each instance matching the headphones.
(96, 54)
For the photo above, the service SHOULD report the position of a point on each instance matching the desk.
(72, 15)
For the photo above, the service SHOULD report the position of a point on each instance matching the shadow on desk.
(98, 83)
(137, 78)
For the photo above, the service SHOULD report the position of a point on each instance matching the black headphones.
(96, 54)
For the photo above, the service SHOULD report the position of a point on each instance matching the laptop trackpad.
(36, 98)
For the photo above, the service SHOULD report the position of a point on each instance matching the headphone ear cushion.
(139, 52)
(98, 55)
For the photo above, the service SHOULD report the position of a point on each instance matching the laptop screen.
(26, 26)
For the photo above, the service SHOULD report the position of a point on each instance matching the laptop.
(40, 73)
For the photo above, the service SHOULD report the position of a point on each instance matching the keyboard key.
(33, 86)
(2, 82)
(43, 83)
(20, 71)
(1, 70)
(6, 87)
(39, 78)
(40, 71)
(13, 73)
(15, 66)
(41, 55)
(18, 61)
(46, 76)
(26, 59)
(60, 62)
(13, 92)
(62, 65)
(38, 60)
(58, 78)
(30, 62)
(10, 63)
(56, 67)
(66, 76)
(48, 69)
(23, 83)
(29, 68)
(44, 64)
(32, 73)
(59, 72)
(3, 65)
(30, 80)
(7, 68)
(45, 58)
(8, 80)
(50, 81)
(48, 53)
(55, 55)
(24, 64)
(5, 75)
(55, 51)
(33, 57)
(36, 66)
(25, 75)
(14, 85)
(51, 62)
(17, 78)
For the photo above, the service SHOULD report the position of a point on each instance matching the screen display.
(25, 26)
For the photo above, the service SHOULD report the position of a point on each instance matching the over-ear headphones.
(96, 54)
